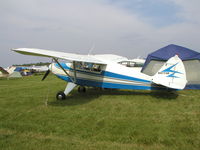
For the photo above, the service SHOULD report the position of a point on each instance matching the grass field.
(31, 118)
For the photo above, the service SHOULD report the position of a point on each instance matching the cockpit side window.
(89, 66)
(131, 64)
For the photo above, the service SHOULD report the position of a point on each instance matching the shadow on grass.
(166, 95)
(76, 98)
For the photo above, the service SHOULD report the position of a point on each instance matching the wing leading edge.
(60, 55)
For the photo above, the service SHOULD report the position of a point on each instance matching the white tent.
(15, 75)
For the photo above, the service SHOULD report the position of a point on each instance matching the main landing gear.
(70, 86)
(60, 95)
(81, 89)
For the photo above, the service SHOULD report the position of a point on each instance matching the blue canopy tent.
(191, 60)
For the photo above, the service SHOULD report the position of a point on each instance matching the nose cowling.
(50, 66)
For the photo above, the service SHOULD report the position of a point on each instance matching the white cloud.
(188, 10)
(74, 26)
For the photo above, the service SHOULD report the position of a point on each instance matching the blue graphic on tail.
(172, 75)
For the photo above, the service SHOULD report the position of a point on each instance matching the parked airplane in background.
(3, 72)
(39, 68)
(109, 71)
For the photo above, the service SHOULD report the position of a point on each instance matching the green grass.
(31, 118)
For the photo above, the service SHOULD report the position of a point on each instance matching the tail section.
(172, 74)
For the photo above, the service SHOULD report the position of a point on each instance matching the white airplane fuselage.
(113, 75)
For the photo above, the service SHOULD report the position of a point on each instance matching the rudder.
(172, 74)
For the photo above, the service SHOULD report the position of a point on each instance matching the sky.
(131, 28)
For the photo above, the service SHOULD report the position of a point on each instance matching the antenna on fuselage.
(91, 49)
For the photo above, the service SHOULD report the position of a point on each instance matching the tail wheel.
(81, 89)
(60, 95)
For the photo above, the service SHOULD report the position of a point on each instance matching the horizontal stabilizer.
(172, 74)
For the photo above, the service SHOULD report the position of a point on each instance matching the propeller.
(48, 71)
(46, 74)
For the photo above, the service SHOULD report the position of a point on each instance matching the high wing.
(59, 55)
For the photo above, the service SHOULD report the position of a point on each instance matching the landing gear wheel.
(81, 89)
(60, 96)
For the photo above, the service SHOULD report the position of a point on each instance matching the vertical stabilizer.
(172, 74)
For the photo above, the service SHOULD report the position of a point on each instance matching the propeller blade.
(46, 74)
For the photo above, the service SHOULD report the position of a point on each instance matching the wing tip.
(12, 49)
(16, 49)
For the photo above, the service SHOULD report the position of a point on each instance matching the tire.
(60, 96)
(81, 89)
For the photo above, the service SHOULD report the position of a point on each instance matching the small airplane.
(39, 68)
(3, 72)
(108, 71)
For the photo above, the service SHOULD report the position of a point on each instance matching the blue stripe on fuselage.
(105, 84)
(106, 74)
(119, 76)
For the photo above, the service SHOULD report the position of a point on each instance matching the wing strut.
(71, 78)
(74, 67)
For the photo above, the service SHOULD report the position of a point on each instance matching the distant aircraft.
(3, 72)
(39, 68)
(109, 71)
(17, 71)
